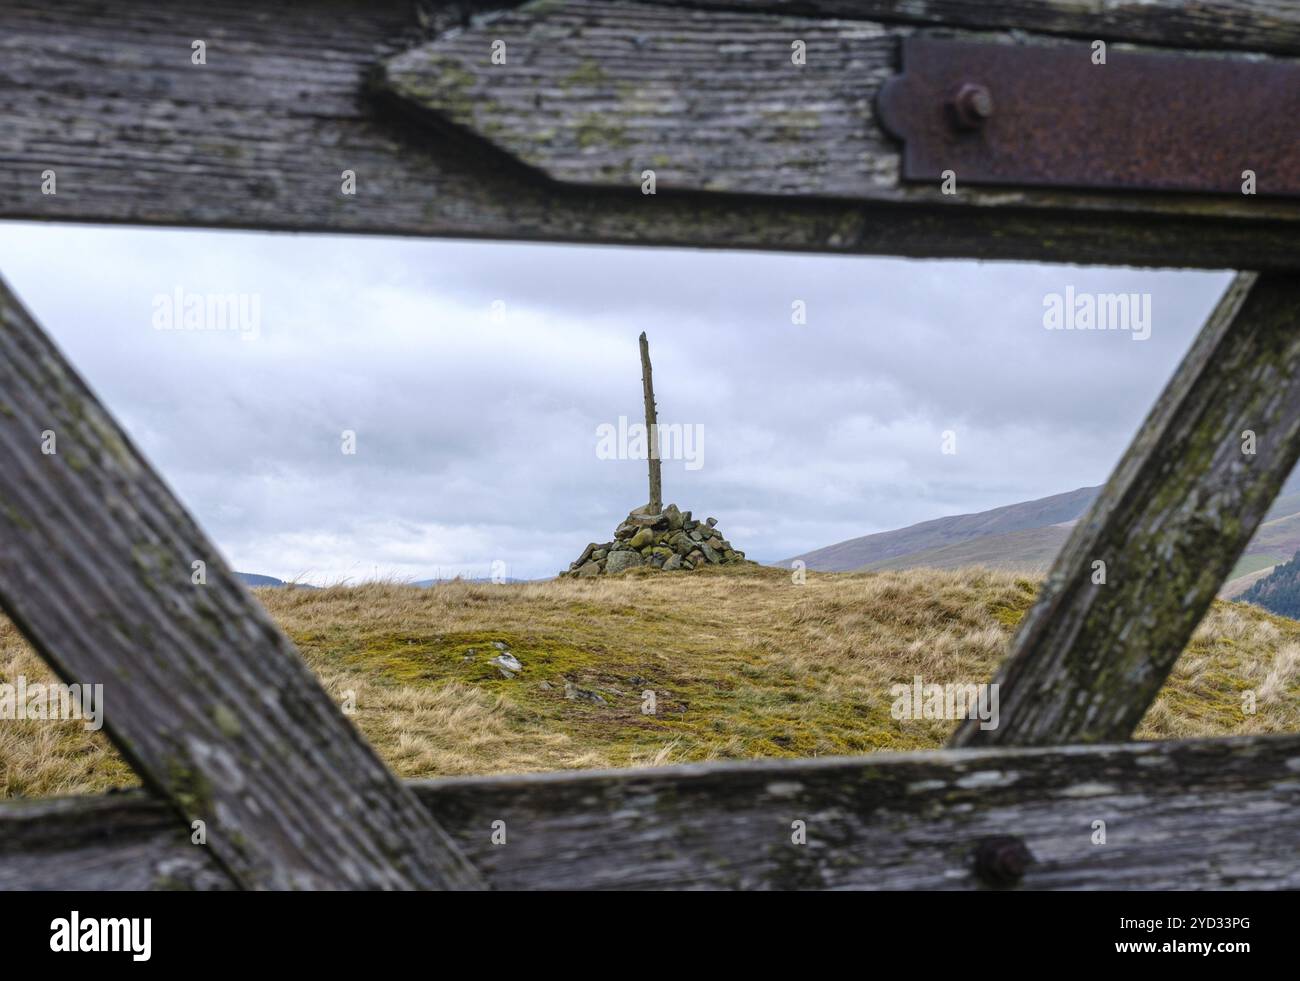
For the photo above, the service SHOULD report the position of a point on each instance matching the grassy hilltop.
(743, 664)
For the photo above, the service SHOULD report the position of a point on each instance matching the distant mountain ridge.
(1027, 536)
(1026, 550)
(1024, 537)
(871, 551)
(508, 580)
(255, 580)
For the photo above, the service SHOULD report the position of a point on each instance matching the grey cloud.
(477, 437)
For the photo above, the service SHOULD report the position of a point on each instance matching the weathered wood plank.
(599, 91)
(123, 841)
(202, 693)
(1090, 657)
(1249, 25)
(258, 138)
(1209, 814)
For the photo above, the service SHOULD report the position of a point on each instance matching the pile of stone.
(670, 540)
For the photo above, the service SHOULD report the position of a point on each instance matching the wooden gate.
(755, 124)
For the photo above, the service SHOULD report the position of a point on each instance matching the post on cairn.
(656, 504)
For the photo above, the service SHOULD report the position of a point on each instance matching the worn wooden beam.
(1209, 814)
(597, 92)
(258, 137)
(1248, 25)
(202, 693)
(601, 91)
(1091, 655)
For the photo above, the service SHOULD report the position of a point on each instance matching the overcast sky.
(476, 429)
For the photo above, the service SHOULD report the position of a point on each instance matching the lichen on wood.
(1203, 814)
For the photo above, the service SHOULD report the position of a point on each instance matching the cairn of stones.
(660, 537)
(669, 539)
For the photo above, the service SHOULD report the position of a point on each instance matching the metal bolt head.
(1002, 861)
(970, 106)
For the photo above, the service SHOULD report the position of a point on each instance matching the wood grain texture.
(597, 92)
(258, 138)
(202, 693)
(1211, 814)
(1089, 659)
(1248, 25)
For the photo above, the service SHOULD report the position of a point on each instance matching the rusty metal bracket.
(1046, 115)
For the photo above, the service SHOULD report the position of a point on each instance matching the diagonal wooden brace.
(203, 694)
(1091, 656)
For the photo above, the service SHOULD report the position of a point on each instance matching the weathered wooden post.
(656, 504)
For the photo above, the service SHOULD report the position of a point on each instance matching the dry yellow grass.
(743, 664)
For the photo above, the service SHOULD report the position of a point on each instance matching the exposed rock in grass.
(575, 694)
(507, 664)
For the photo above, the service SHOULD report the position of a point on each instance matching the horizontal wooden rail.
(106, 97)
(598, 92)
(1251, 25)
(1208, 814)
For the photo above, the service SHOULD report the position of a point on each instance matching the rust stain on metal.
(1044, 115)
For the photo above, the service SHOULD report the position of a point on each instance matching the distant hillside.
(507, 581)
(1026, 537)
(928, 536)
(1234, 587)
(1279, 591)
(1030, 550)
(1277, 536)
(255, 581)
